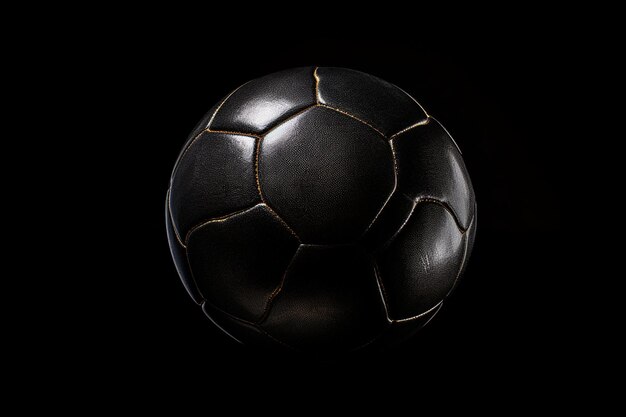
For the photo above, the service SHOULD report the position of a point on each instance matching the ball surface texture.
(320, 210)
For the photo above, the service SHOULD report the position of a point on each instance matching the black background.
(500, 102)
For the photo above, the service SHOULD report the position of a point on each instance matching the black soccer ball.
(321, 210)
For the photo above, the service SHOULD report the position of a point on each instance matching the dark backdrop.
(498, 101)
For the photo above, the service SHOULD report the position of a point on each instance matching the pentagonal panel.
(326, 174)
(330, 300)
(421, 264)
(238, 261)
(263, 102)
(378, 102)
(214, 177)
(430, 165)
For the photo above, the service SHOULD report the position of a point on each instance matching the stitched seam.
(353, 117)
(395, 185)
(446, 206)
(383, 293)
(317, 85)
(419, 315)
(258, 184)
(278, 124)
(193, 278)
(217, 220)
(327, 245)
(284, 223)
(395, 163)
(169, 209)
(458, 274)
(229, 132)
(169, 206)
(434, 314)
(256, 169)
(449, 135)
(182, 156)
(416, 102)
(270, 300)
(229, 314)
(262, 330)
(211, 131)
(374, 339)
(223, 329)
(245, 322)
(465, 245)
(208, 126)
(404, 223)
(406, 129)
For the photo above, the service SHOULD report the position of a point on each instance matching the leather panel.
(244, 333)
(430, 165)
(398, 332)
(215, 177)
(239, 261)
(330, 300)
(179, 255)
(421, 264)
(369, 98)
(262, 103)
(326, 174)
(395, 213)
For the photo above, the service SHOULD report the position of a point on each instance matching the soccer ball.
(320, 210)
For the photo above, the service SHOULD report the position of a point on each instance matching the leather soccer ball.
(320, 210)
